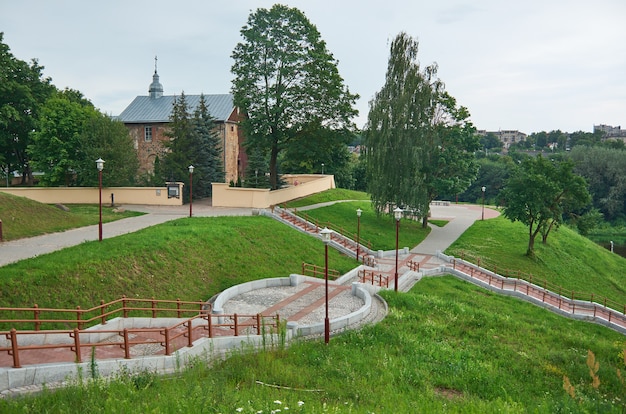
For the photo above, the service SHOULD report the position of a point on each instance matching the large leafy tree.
(23, 91)
(604, 169)
(56, 143)
(103, 137)
(286, 81)
(540, 193)
(71, 134)
(419, 143)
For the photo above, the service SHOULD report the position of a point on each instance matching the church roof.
(147, 109)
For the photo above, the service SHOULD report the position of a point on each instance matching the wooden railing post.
(178, 307)
(210, 325)
(126, 344)
(78, 317)
(166, 333)
(77, 345)
(190, 333)
(103, 319)
(154, 311)
(236, 325)
(15, 348)
(36, 313)
(258, 324)
(124, 308)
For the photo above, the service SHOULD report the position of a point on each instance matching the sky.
(533, 65)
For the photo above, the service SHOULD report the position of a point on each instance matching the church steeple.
(156, 89)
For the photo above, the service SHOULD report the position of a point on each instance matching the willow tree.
(419, 143)
(285, 81)
(399, 116)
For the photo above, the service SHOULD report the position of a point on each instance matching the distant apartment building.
(506, 136)
(610, 131)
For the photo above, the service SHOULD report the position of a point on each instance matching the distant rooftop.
(157, 107)
(146, 109)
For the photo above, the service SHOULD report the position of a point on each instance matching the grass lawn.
(568, 259)
(189, 258)
(446, 346)
(22, 217)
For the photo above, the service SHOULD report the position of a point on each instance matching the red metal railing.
(98, 314)
(315, 271)
(373, 278)
(313, 225)
(174, 336)
(569, 301)
(553, 287)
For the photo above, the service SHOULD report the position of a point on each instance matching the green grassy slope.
(22, 217)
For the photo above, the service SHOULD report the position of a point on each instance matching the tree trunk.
(274, 167)
(425, 221)
(531, 246)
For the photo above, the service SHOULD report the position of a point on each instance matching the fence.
(578, 305)
(339, 235)
(315, 271)
(98, 314)
(373, 278)
(549, 286)
(175, 334)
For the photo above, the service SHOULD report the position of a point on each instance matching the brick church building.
(147, 119)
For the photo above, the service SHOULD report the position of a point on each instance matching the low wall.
(299, 186)
(90, 195)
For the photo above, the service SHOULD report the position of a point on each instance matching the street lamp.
(190, 188)
(483, 190)
(322, 168)
(100, 166)
(325, 233)
(397, 213)
(358, 232)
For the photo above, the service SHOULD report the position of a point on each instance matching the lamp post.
(397, 213)
(326, 239)
(100, 167)
(483, 190)
(322, 168)
(190, 189)
(358, 232)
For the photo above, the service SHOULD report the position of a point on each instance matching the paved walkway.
(16, 250)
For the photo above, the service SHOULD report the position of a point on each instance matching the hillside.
(22, 217)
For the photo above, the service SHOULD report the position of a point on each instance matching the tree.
(491, 142)
(71, 135)
(23, 91)
(208, 155)
(103, 137)
(604, 169)
(419, 143)
(286, 81)
(182, 144)
(315, 145)
(257, 169)
(55, 145)
(540, 192)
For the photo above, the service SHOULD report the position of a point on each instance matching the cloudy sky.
(533, 65)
